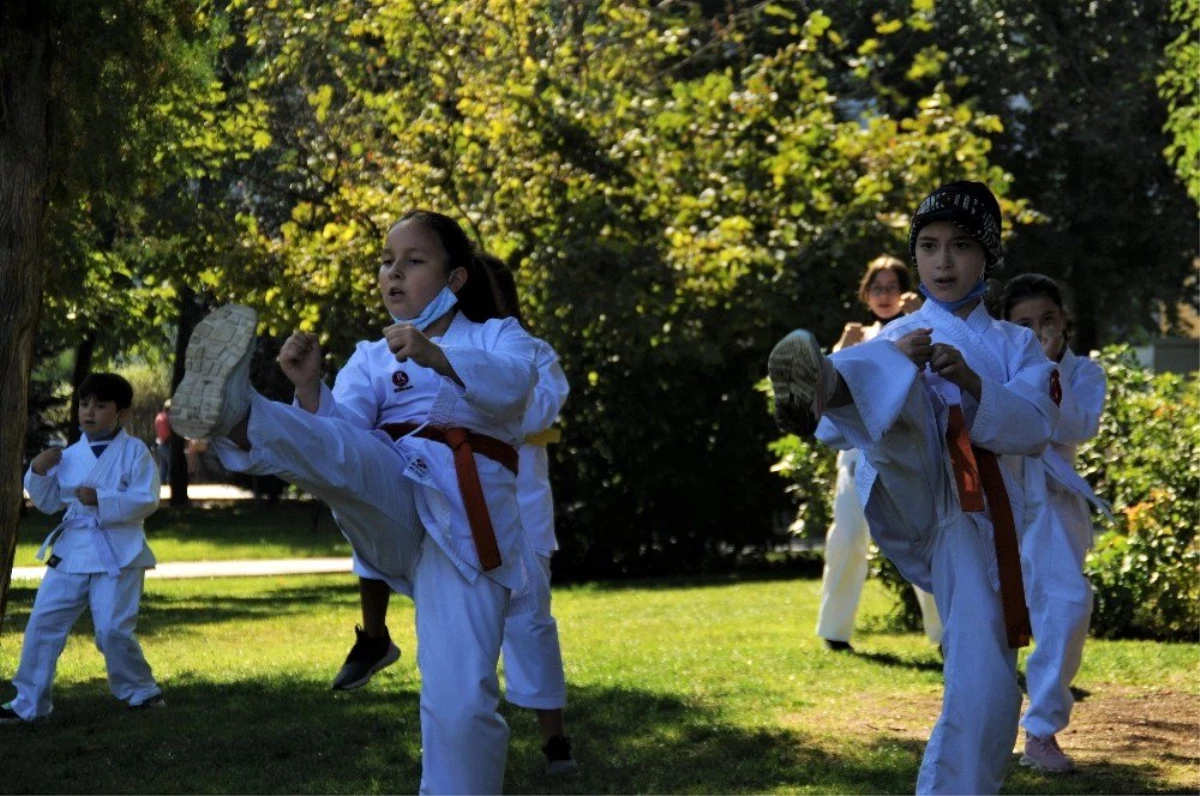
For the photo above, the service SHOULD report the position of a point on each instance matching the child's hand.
(947, 362)
(46, 460)
(300, 359)
(851, 335)
(406, 342)
(910, 302)
(87, 496)
(917, 345)
(1052, 342)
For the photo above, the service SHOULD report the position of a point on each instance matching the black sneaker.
(838, 646)
(156, 701)
(558, 757)
(367, 656)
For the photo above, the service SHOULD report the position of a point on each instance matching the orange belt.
(465, 445)
(977, 472)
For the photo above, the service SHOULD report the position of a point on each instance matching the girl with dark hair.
(886, 290)
(1060, 597)
(415, 450)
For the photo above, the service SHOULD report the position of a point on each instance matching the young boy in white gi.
(415, 451)
(1060, 597)
(950, 409)
(108, 483)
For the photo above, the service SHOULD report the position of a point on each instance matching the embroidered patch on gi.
(54, 561)
(419, 468)
(400, 380)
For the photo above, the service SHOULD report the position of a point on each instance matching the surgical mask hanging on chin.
(442, 303)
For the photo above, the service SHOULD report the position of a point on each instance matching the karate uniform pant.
(460, 624)
(1060, 609)
(972, 741)
(533, 667)
(61, 600)
(846, 551)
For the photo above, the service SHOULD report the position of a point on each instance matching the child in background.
(1060, 597)
(533, 666)
(886, 289)
(108, 483)
(414, 449)
(951, 410)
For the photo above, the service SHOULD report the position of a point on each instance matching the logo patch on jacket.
(400, 380)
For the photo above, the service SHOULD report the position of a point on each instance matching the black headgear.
(968, 205)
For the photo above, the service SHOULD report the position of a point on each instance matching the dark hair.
(1030, 286)
(477, 297)
(107, 387)
(504, 284)
(884, 262)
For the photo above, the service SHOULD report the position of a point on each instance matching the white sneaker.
(1044, 754)
(802, 379)
(214, 395)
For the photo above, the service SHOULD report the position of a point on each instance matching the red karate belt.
(465, 445)
(977, 472)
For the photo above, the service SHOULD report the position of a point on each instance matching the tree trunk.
(25, 60)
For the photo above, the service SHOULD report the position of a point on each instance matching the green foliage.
(1146, 566)
(1177, 85)
(670, 212)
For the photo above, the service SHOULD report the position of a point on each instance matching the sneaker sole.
(562, 768)
(218, 345)
(392, 655)
(794, 368)
(1029, 762)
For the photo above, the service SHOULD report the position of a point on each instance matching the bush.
(1144, 566)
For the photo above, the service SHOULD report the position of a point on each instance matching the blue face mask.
(950, 306)
(442, 303)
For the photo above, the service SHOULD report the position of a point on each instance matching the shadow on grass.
(162, 611)
(923, 663)
(292, 735)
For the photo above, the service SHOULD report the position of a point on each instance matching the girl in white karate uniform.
(1053, 553)
(415, 451)
(108, 483)
(533, 667)
(886, 290)
(951, 410)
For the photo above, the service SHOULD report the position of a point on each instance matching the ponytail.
(479, 298)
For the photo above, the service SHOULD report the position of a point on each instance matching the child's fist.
(86, 495)
(46, 460)
(300, 359)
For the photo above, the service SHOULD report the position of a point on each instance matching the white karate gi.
(898, 420)
(533, 667)
(846, 551)
(100, 557)
(399, 505)
(1053, 552)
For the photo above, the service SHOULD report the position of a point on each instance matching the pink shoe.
(1044, 754)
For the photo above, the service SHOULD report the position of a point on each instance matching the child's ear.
(458, 278)
(123, 415)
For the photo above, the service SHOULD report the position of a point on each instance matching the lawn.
(676, 686)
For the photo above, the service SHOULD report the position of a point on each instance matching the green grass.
(225, 531)
(714, 686)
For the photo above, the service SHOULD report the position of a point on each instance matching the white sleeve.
(1017, 416)
(1082, 403)
(353, 395)
(497, 381)
(548, 395)
(44, 490)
